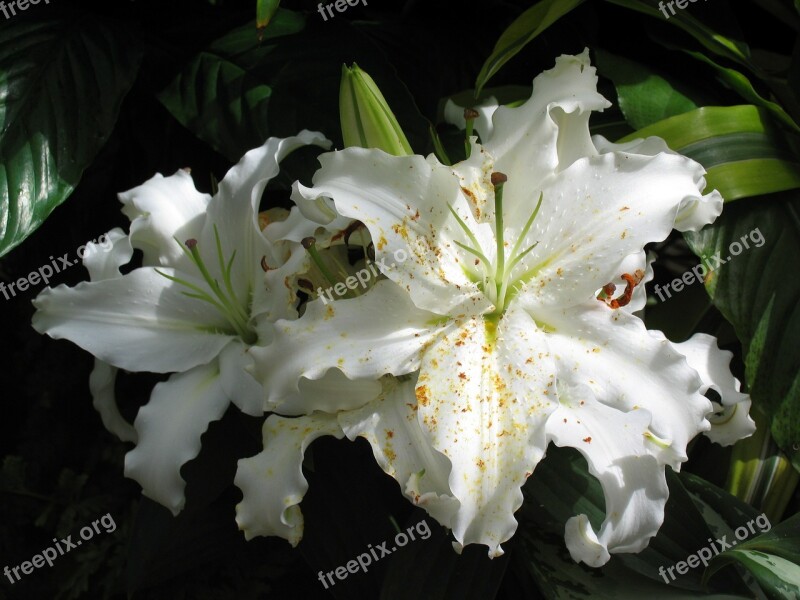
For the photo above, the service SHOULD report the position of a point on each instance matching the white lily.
(496, 263)
(210, 286)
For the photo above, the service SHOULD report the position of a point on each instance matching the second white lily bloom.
(209, 288)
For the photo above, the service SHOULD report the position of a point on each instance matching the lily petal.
(484, 397)
(275, 293)
(101, 384)
(732, 421)
(235, 364)
(547, 133)
(160, 210)
(317, 211)
(169, 429)
(600, 211)
(234, 212)
(104, 262)
(389, 423)
(695, 211)
(627, 368)
(272, 481)
(634, 484)
(139, 322)
(378, 333)
(331, 393)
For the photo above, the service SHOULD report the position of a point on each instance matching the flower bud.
(366, 119)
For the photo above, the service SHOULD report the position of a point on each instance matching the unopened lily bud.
(366, 119)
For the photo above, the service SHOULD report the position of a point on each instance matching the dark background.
(62, 470)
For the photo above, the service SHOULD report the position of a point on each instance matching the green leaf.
(524, 29)
(772, 557)
(757, 292)
(61, 86)
(220, 95)
(710, 39)
(738, 146)
(644, 97)
(741, 84)
(748, 178)
(722, 511)
(759, 473)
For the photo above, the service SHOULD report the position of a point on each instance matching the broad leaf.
(760, 474)
(220, 96)
(738, 146)
(741, 84)
(773, 558)
(757, 291)
(61, 86)
(644, 97)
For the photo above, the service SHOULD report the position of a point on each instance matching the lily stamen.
(225, 301)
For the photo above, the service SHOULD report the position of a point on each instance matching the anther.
(498, 178)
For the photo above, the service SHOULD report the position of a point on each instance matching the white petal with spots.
(484, 395)
(378, 333)
(389, 423)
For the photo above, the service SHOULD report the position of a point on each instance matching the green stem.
(498, 181)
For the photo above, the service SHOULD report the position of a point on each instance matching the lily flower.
(497, 264)
(210, 286)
